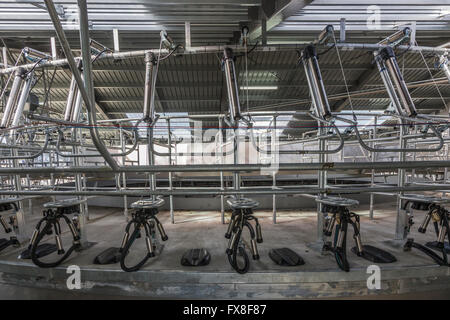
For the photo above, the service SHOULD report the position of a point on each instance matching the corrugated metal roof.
(194, 83)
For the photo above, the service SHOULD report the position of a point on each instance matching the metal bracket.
(59, 8)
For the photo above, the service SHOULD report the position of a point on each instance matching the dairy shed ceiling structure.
(193, 83)
(139, 139)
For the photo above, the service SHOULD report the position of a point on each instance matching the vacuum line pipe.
(328, 166)
(149, 108)
(213, 192)
(234, 107)
(220, 48)
(13, 96)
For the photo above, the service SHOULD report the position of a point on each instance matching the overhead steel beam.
(297, 99)
(200, 84)
(283, 10)
(260, 67)
(187, 28)
(116, 40)
(378, 107)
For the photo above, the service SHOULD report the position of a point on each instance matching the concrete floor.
(164, 277)
(15, 292)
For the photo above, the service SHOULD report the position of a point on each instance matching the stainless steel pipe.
(403, 97)
(327, 166)
(232, 86)
(149, 104)
(13, 97)
(220, 48)
(88, 99)
(213, 192)
(315, 82)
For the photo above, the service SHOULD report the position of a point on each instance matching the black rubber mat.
(286, 257)
(433, 245)
(375, 254)
(41, 251)
(109, 256)
(3, 243)
(411, 244)
(196, 258)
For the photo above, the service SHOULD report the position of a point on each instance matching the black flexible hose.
(40, 236)
(444, 217)
(162, 232)
(232, 258)
(341, 254)
(429, 253)
(250, 229)
(129, 243)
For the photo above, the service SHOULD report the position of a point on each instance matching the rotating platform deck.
(164, 277)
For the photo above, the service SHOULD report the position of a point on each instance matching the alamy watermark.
(374, 19)
(73, 281)
(374, 280)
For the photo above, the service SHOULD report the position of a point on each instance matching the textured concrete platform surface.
(164, 277)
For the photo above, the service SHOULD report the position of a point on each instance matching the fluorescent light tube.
(259, 88)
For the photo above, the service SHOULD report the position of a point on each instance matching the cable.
(343, 75)
(404, 51)
(170, 53)
(34, 66)
(37, 80)
(325, 51)
(47, 93)
(247, 52)
(98, 55)
(254, 47)
(432, 78)
(359, 56)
